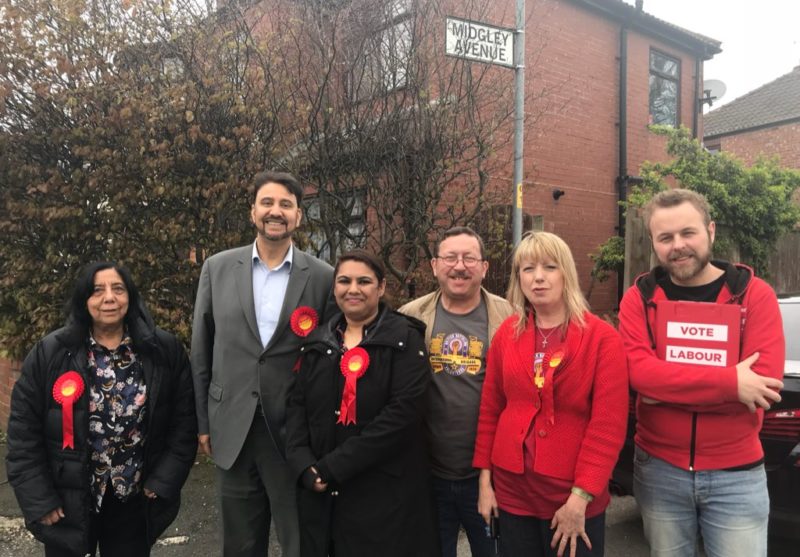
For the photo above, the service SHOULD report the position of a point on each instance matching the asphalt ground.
(195, 532)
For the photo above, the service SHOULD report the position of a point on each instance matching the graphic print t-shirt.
(457, 351)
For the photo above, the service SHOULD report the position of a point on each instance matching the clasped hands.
(313, 481)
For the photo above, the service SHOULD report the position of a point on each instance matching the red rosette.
(554, 360)
(353, 365)
(303, 320)
(67, 389)
(550, 363)
(354, 362)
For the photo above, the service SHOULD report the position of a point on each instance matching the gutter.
(697, 108)
(753, 128)
(704, 47)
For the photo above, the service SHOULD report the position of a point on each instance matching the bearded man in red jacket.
(699, 465)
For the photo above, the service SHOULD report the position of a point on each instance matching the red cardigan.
(590, 399)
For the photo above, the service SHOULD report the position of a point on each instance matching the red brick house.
(764, 122)
(612, 69)
(622, 70)
(598, 72)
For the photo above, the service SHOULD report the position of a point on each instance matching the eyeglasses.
(451, 260)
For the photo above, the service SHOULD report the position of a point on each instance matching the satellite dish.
(713, 90)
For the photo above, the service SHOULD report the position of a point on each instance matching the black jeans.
(527, 536)
(119, 529)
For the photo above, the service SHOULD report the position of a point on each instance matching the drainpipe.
(697, 107)
(622, 178)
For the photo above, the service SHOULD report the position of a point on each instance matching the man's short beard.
(275, 237)
(262, 230)
(685, 273)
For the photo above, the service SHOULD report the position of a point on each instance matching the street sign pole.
(519, 120)
(472, 40)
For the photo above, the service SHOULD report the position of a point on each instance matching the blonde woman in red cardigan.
(553, 411)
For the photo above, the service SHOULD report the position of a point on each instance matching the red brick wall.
(574, 146)
(9, 372)
(783, 141)
(572, 138)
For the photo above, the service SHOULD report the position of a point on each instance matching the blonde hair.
(535, 247)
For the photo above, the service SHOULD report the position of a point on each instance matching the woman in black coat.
(353, 421)
(102, 431)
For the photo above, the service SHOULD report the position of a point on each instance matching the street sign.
(479, 42)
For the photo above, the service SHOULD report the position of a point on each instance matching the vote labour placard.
(698, 332)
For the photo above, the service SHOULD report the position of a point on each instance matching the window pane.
(663, 64)
(398, 8)
(663, 100)
(312, 208)
(395, 51)
(335, 221)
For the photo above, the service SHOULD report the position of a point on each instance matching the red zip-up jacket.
(699, 423)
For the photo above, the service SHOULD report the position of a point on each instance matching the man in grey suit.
(243, 353)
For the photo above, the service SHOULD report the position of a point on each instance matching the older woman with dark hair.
(102, 431)
(354, 426)
(553, 412)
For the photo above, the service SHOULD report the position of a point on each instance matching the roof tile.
(777, 101)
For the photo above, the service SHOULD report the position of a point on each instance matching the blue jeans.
(730, 509)
(457, 504)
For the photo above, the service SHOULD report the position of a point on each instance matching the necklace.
(545, 336)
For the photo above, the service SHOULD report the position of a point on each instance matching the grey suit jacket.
(232, 370)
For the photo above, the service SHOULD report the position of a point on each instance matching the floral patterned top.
(117, 396)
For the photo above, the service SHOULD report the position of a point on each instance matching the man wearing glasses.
(461, 318)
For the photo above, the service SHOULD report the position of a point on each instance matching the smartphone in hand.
(494, 527)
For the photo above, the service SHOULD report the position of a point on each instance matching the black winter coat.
(45, 476)
(378, 500)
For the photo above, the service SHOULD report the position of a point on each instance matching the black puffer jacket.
(45, 476)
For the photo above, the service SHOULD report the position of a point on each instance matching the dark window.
(337, 223)
(392, 55)
(381, 49)
(665, 88)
